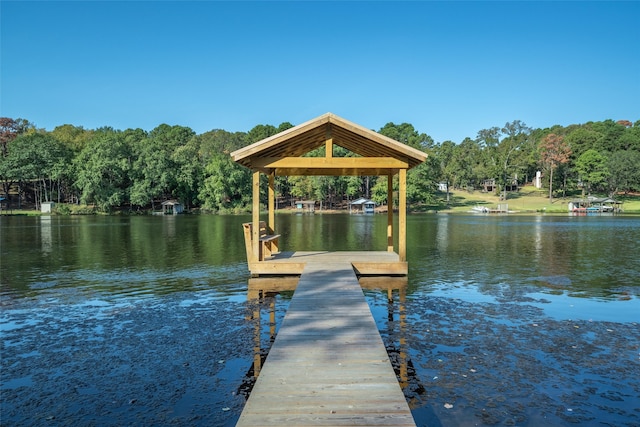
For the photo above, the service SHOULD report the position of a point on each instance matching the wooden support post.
(255, 238)
(272, 198)
(328, 152)
(390, 212)
(402, 216)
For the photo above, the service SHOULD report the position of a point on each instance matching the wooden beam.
(279, 138)
(376, 137)
(389, 213)
(333, 172)
(402, 216)
(303, 138)
(272, 197)
(381, 268)
(275, 268)
(255, 239)
(383, 282)
(328, 142)
(330, 163)
(272, 284)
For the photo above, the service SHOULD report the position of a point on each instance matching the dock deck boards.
(366, 262)
(328, 364)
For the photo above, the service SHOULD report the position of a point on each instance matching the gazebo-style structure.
(282, 155)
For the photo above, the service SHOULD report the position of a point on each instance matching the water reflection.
(442, 234)
(46, 233)
(169, 226)
(261, 294)
(548, 304)
(593, 257)
(264, 293)
(394, 331)
(537, 233)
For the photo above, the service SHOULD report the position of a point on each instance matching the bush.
(71, 209)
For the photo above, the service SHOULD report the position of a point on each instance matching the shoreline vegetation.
(528, 200)
(134, 171)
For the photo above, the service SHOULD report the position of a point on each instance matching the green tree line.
(134, 169)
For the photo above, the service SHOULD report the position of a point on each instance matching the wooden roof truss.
(375, 154)
(283, 154)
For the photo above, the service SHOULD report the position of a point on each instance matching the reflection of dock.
(328, 364)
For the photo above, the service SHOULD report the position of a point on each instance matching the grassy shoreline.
(526, 201)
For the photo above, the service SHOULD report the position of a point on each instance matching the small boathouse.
(362, 205)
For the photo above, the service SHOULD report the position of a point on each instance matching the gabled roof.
(362, 201)
(376, 153)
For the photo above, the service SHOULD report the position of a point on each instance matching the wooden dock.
(328, 364)
(374, 263)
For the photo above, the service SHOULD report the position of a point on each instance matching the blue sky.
(448, 68)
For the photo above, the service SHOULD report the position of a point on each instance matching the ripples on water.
(509, 321)
(123, 359)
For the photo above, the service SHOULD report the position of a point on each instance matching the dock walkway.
(328, 364)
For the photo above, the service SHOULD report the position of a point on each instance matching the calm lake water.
(504, 320)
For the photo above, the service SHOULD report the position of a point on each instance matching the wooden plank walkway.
(328, 364)
(366, 262)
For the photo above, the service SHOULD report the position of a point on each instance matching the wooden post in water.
(272, 193)
(402, 216)
(328, 364)
(390, 212)
(255, 238)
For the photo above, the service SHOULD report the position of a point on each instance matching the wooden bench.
(268, 242)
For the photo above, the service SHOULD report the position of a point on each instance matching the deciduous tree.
(592, 169)
(227, 185)
(103, 171)
(624, 171)
(554, 151)
(507, 156)
(154, 168)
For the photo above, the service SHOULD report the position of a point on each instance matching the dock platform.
(328, 364)
(374, 263)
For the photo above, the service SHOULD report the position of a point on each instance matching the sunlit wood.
(255, 238)
(328, 143)
(272, 284)
(375, 163)
(402, 215)
(283, 154)
(301, 139)
(383, 263)
(267, 243)
(271, 204)
(390, 213)
(328, 364)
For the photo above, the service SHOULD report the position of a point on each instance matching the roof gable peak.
(327, 130)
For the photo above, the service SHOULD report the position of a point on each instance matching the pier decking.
(368, 263)
(328, 364)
